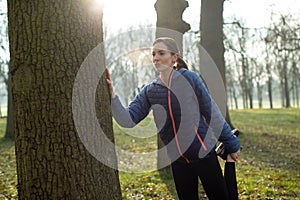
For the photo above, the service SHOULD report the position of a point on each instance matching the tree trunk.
(269, 82)
(282, 96)
(270, 94)
(169, 19)
(259, 94)
(48, 42)
(250, 92)
(235, 100)
(297, 94)
(9, 131)
(286, 84)
(211, 32)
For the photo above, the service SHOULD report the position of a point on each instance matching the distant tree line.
(263, 63)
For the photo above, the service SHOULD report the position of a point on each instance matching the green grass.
(8, 177)
(268, 168)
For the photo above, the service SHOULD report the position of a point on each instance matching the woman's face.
(162, 58)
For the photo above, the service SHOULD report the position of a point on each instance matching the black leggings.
(210, 173)
(230, 178)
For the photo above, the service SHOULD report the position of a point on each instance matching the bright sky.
(256, 13)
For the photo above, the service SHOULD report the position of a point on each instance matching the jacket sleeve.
(137, 110)
(213, 117)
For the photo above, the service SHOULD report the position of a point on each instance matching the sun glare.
(100, 2)
(120, 13)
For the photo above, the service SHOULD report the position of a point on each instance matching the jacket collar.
(176, 74)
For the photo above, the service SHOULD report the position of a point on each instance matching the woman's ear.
(175, 56)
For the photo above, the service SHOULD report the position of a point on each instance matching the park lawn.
(8, 176)
(268, 168)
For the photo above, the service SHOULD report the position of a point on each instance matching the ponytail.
(180, 63)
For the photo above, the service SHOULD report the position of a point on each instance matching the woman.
(187, 119)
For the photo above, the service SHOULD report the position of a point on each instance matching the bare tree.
(278, 45)
(285, 44)
(191, 52)
(269, 69)
(237, 38)
(258, 80)
(295, 84)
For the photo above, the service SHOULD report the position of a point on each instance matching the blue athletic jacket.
(188, 120)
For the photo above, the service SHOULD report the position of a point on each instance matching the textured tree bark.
(211, 31)
(48, 42)
(169, 19)
(9, 131)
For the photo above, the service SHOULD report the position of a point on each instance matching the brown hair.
(174, 49)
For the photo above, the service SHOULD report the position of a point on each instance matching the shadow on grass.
(278, 151)
(5, 144)
(268, 166)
